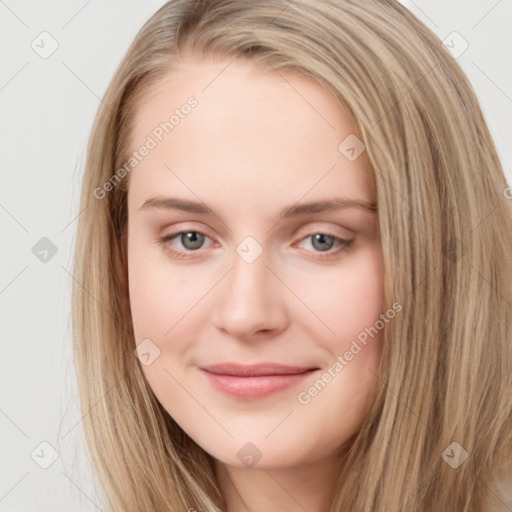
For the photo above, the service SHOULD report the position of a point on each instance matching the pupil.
(194, 238)
(321, 237)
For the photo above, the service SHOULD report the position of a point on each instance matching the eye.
(324, 243)
(191, 240)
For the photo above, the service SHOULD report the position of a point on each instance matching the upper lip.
(255, 369)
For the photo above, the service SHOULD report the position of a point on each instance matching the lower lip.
(255, 387)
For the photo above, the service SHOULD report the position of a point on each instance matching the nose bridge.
(248, 263)
(249, 278)
(249, 299)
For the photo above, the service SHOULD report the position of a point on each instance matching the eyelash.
(344, 245)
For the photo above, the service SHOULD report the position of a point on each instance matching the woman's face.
(245, 283)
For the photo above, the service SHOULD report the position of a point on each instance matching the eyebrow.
(336, 203)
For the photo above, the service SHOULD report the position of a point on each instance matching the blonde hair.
(446, 231)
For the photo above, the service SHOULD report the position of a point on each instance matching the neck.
(309, 486)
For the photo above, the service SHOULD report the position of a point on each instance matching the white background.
(47, 108)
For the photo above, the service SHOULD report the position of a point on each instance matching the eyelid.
(309, 229)
(319, 227)
(184, 227)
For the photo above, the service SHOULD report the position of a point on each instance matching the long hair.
(444, 392)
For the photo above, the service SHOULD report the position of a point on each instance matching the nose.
(251, 300)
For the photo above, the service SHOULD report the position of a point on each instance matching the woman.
(227, 358)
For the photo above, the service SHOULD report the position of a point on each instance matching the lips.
(256, 370)
(255, 381)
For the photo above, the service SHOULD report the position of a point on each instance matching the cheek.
(351, 309)
(363, 294)
(349, 299)
(160, 292)
(149, 299)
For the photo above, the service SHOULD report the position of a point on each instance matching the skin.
(258, 141)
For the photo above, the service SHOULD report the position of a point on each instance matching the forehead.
(255, 134)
